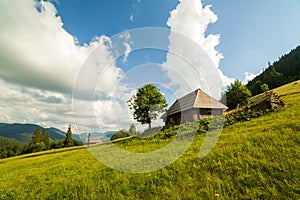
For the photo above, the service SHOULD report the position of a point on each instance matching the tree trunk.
(149, 126)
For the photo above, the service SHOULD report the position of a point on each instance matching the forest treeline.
(281, 72)
(40, 141)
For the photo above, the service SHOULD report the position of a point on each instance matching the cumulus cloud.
(249, 76)
(40, 62)
(191, 19)
(35, 48)
(28, 105)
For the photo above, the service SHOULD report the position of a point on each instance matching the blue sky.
(40, 59)
(252, 32)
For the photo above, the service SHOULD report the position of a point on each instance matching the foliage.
(5, 142)
(39, 142)
(235, 93)
(119, 134)
(152, 132)
(147, 103)
(170, 131)
(283, 71)
(23, 132)
(264, 87)
(11, 150)
(68, 141)
(57, 144)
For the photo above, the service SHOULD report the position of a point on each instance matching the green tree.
(46, 139)
(264, 87)
(236, 93)
(147, 103)
(3, 152)
(36, 137)
(39, 141)
(132, 129)
(68, 141)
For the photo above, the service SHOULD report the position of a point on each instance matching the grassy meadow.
(257, 159)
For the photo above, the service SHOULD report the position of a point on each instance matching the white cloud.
(249, 76)
(28, 105)
(125, 36)
(225, 79)
(191, 19)
(127, 51)
(131, 18)
(39, 64)
(35, 48)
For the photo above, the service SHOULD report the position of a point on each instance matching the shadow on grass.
(289, 94)
(42, 153)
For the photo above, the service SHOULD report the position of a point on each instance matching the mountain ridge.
(23, 132)
(283, 71)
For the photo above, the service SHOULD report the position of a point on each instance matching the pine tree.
(68, 142)
(132, 129)
(46, 139)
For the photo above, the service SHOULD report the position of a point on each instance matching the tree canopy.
(147, 103)
(40, 141)
(68, 142)
(236, 93)
(283, 71)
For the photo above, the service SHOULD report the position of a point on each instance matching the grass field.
(257, 159)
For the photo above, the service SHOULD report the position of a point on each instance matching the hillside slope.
(257, 159)
(23, 132)
(283, 71)
(5, 142)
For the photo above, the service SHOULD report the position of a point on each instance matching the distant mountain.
(103, 136)
(56, 133)
(281, 72)
(23, 132)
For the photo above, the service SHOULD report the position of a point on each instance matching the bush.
(119, 134)
(57, 144)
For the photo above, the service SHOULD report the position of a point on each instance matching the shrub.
(119, 134)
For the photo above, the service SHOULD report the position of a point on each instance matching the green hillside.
(23, 132)
(283, 71)
(257, 159)
(5, 142)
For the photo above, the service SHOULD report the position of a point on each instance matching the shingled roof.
(195, 99)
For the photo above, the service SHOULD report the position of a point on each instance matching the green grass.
(257, 159)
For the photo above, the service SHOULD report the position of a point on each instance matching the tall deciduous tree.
(147, 103)
(236, 93)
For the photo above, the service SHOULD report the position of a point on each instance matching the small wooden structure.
(264, 101)
(93, 141)
(193, 107)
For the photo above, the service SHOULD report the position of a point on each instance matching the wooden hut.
(193, 107)
(264, 101)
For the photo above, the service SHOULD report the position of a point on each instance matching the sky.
(54, 55)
